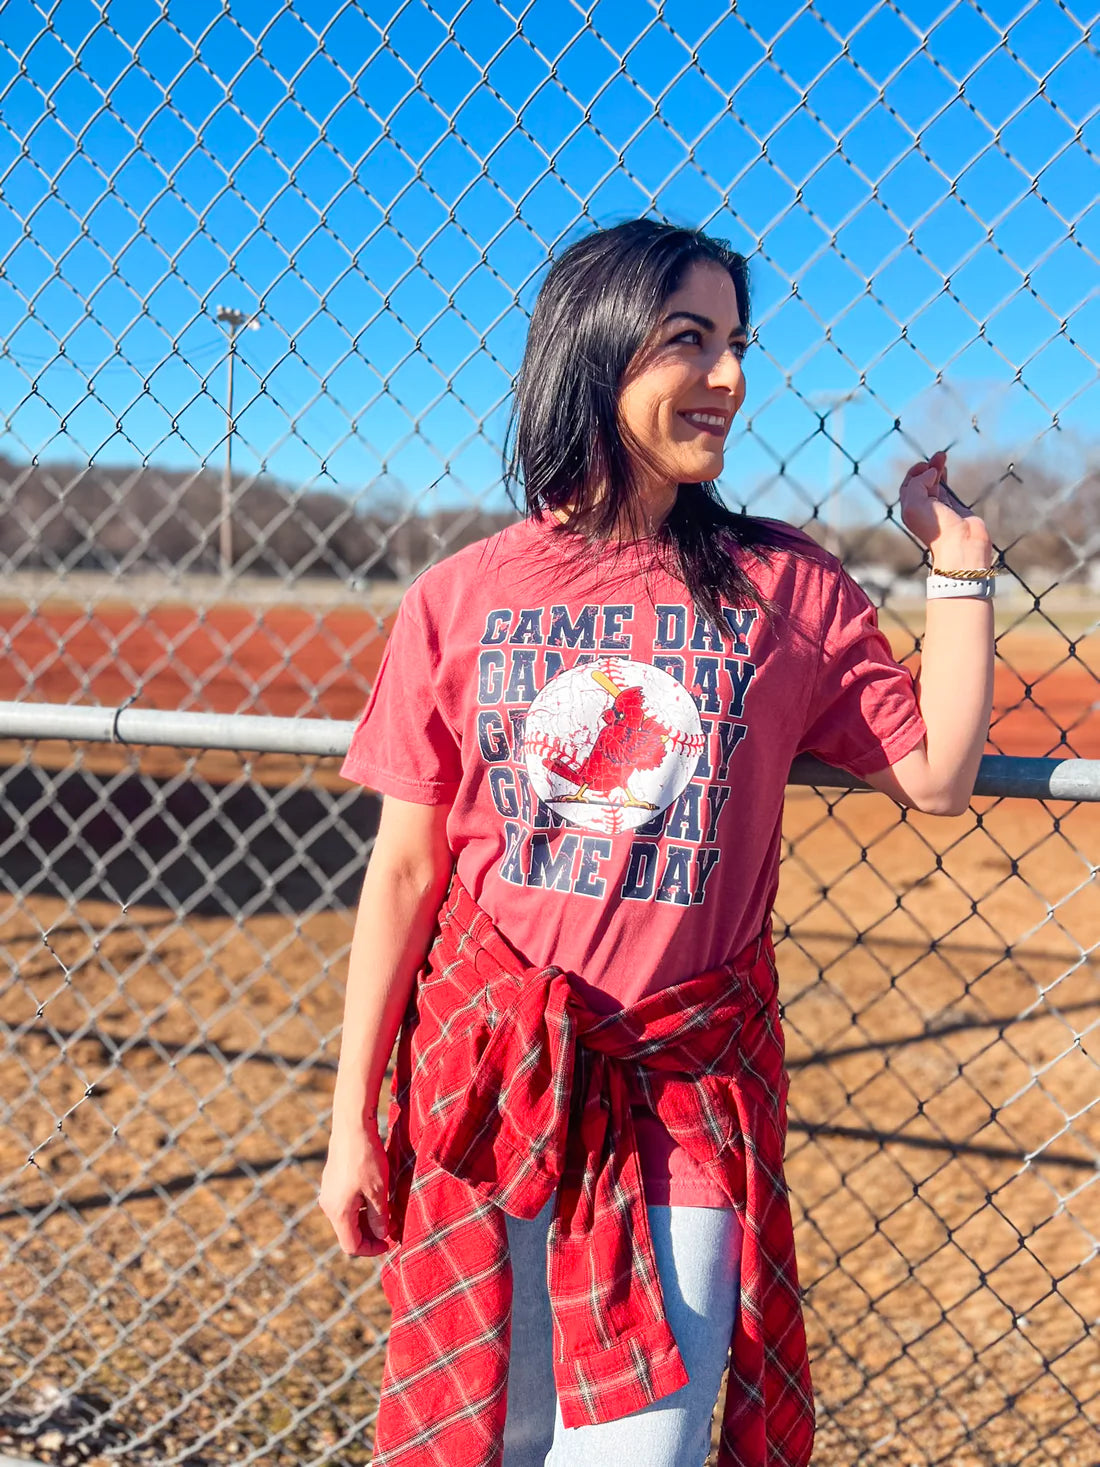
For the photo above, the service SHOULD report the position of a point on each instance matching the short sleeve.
(864, 713)
(402, 744)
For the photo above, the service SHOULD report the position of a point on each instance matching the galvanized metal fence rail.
(264, 280)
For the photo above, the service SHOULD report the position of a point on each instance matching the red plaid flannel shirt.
(507, 1088)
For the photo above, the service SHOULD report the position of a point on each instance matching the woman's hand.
(354, 1192)
(941, 521)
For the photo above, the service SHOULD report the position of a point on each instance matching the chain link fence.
(204, 518)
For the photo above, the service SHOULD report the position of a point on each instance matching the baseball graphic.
(609, 744)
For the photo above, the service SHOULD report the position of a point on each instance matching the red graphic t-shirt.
(614, 763)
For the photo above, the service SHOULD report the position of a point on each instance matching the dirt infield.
(169, 1079)
(282, 660)
(290, 661)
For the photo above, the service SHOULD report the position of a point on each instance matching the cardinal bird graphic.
(631, 739)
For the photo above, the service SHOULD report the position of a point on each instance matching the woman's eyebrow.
(704, 321)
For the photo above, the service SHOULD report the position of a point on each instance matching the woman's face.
(681, 392)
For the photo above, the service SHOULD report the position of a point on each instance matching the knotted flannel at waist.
(516, 1090)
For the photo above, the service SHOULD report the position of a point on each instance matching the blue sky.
(385, 185)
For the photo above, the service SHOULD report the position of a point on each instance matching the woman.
(582, 729)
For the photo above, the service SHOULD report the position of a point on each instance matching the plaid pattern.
(508, 1085)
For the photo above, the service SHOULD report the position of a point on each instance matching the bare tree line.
(87, 517)
(1041, 522)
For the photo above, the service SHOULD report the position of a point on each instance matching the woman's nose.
(727, 372)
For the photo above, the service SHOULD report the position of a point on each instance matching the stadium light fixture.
(236, 321)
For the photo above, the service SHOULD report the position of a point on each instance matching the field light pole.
(236, 321)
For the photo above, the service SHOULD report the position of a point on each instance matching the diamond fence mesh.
(203, 517)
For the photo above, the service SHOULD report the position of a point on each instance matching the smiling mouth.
(713, 423)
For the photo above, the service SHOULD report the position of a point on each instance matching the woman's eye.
(695, 338)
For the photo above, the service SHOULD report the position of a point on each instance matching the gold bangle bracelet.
(966, 575)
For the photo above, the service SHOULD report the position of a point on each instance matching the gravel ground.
(169, 1291)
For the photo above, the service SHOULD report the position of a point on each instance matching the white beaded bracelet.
(937, 586)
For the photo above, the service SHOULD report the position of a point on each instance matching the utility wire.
(32, 360)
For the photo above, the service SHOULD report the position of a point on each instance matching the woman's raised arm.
(956, 678)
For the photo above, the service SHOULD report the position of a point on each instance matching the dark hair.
(599, 304)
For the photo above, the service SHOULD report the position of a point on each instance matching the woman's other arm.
(406, 879)
(955, 687)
